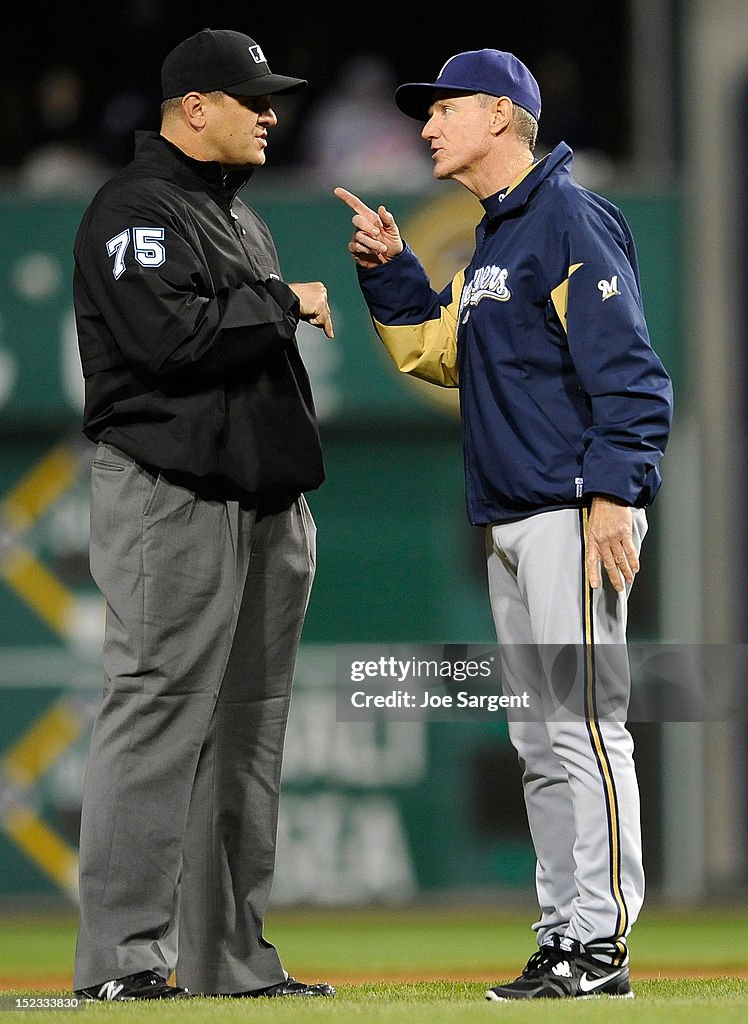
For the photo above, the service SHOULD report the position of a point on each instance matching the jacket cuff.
(286, 297)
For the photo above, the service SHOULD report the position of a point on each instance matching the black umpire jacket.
(187, 332)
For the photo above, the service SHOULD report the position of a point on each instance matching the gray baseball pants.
(565, 646)
(205, 605)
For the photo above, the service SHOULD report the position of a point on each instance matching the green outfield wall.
(373, 812)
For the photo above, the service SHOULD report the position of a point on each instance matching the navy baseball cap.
(491, 71)
(221, 60)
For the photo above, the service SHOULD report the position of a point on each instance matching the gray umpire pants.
(564, 645)
(205, 606)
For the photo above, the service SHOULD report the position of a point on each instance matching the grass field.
(421, 965)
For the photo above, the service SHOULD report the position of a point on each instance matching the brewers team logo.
(609, 288)
(487, 283)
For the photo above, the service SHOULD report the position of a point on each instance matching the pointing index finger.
(355, 203)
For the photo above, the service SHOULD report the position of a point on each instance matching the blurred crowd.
(66, 134)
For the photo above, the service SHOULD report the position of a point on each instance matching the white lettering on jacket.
(487, 283)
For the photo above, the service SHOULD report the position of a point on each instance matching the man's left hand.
(610, 541)
(314, 305)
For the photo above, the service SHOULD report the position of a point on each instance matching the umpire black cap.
(221, 60)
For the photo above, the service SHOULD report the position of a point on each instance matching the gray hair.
(525, 125)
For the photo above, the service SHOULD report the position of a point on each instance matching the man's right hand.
(376, 238)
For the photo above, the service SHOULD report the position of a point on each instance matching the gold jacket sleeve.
(427, 350)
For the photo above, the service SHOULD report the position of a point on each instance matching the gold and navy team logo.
(609, 288)
(487, 283)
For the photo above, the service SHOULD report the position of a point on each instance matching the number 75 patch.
(148, 248)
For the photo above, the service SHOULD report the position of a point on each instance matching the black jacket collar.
(167, 160)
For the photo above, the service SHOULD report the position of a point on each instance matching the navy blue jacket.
(561, 394)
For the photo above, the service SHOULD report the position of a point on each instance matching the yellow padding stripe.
(560, 295)
(38, 748)
(599, 747)
(420, 353)
(50, 852)
(39, 588)
(427, 350)
(39, 488)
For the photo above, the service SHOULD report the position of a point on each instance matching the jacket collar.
(205, 175)
(515, 195)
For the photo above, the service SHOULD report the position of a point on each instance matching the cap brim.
(266, 85)
(415, 98)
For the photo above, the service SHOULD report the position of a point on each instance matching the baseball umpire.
(566, 411)
(201, 540)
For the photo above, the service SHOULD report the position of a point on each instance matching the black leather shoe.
(289, 987)
(144, 985)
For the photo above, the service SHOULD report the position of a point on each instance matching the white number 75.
(147, 244)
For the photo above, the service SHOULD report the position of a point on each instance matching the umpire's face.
(237, 128)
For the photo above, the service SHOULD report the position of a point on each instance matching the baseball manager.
(566, 411)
